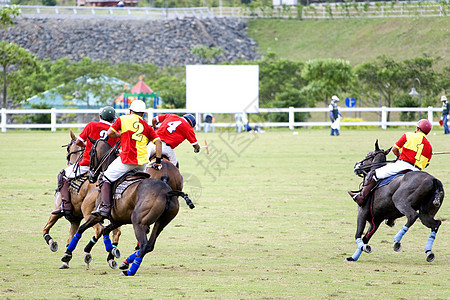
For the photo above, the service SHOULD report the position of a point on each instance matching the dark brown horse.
(415, 195)
(145, 202)
(83, 203)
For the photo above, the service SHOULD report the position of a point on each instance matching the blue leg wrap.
(357, 254)
(430, 241)
(131, 258)
(107, 242)
(74, 241)
(135, 266)
(400, 234)
(360, 243)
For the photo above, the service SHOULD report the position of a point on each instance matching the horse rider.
(134, 133)
(413, 152)
(173, 131)
(95, 130)
(445, 114)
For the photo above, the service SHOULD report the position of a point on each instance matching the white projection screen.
(221, 89)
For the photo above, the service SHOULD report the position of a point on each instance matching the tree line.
(283, 83)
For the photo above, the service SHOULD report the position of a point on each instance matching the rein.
(106, 156)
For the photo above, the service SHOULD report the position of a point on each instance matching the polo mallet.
(445, 152)
(207, 147)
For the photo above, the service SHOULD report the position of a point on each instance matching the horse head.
(373, 160)
(102, 155)
(73, 150)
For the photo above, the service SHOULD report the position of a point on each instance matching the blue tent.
(56, 100)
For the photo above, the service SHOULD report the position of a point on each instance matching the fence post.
(383, 117)
(53, 119)
(199, 120)
(430, 114)
(291, 118)
(3, 119)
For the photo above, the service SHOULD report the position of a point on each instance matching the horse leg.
(429, 221)
(361, 246)
(73, 243)
(113, 252)
(87, 249)
(411, 216)
(46, 232)
(136, 258)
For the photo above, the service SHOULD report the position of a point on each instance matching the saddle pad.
(77, 182)
(121, 187)
(388, 180)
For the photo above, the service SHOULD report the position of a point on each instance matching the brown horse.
(143, 203)
(83, 203)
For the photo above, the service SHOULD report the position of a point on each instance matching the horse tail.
(184, 195)
(438, 192)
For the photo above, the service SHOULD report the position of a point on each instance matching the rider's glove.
(197, 150)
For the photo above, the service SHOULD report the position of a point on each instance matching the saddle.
(387, 180)
(125, 181)
(77, 182)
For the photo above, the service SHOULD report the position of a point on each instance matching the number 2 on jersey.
(138, 134)
(171, 126)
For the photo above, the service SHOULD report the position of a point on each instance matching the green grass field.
(355, 40)
(272, 221)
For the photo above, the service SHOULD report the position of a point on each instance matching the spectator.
(208, 120)
(445, 112)
(241, 121)
(335, 116)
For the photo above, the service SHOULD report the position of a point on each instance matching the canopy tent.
(55, 99)
(139, 91)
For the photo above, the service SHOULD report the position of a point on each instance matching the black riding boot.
(66, 206)
(104, 208)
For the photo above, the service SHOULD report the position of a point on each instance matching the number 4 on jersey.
(171, 126)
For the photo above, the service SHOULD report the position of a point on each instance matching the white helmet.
(335, 98)
(138, 106)
(443, 98)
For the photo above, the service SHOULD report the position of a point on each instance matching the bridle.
(70, 153)
(362, 169)
(96, 167)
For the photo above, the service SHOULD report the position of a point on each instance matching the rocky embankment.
(162, 42)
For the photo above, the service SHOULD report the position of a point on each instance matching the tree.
(208, 54)
(12, 59)
(326, 77)
(7, 16)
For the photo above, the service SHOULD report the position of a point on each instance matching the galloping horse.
(144, 202)
(403, 196)
(83, 203)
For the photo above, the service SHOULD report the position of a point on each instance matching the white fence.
(322, 11)
(291, 124)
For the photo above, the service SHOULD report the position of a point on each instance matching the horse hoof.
(87, 258)
(66, 257)
(430, 256)
(349, 259)
(124, 266)
(367, 248)
(397, 246)
(124, 273)
(115, 252)
(64, 266)
(53, 246)
(112, 264)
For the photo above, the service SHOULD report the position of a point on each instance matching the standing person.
(95, 130)
(415, 155)
(134, 133)
(207, 119)
(335, 116)
(173, 131)
(445, 114)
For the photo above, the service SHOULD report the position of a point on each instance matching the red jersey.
(416, 149)
(174, 130)
(95, 130)
(135, 134)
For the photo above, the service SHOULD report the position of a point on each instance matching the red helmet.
(424, 125)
